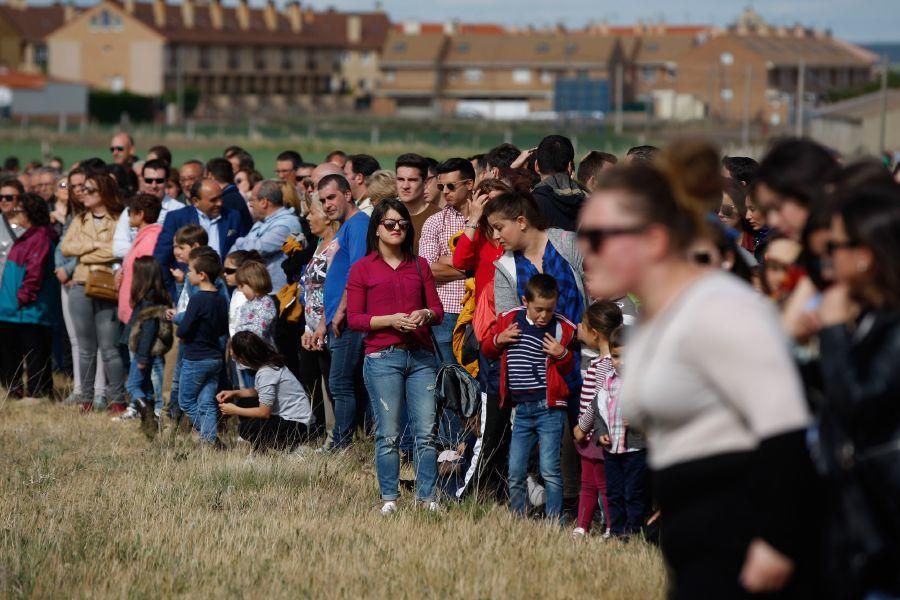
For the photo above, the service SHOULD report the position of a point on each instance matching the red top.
(477, 255)
(375, 289)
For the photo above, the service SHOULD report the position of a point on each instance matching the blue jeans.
(399, 379)
(197, 394)
(348, 393)
(175, 392)
(159, 367)
(626, 491)
(139, 384)
(535, 423)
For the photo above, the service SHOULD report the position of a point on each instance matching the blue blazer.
(230, 229)
(231, 198)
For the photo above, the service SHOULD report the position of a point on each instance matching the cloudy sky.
(854, 20)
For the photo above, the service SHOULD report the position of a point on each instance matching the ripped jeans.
(395, 377)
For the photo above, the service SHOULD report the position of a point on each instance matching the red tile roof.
(21, 81)
(34, 22)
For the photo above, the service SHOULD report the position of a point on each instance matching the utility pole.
(745, 130)
(884, 99)
(620, 96)
(801, 84)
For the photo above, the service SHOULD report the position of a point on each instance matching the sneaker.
(129, 414)
(607, 534)
(390, 507)
(578, 532)
(99, 403)
(117, 408)
(434, 507)
(157, 412)
(72, 399)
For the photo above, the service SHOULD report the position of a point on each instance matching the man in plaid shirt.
(456, 179)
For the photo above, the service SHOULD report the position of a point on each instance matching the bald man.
(324, 170)
(223, 226)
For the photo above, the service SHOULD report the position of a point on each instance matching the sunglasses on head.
(726, 210)
(152, 180)
(596, 237)
(9, 197)
(451, 186)
(392, 224)
(117, 148)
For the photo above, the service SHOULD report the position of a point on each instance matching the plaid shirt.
(435, 243)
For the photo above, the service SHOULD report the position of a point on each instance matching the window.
(390, 75)
(648, 74)
(462, 47)
(286, 63)
(367, 57)
(259, 57)
(234, 57)
(473, 75)
(40, 55)
(204, 57)
(521, 76)
(399, 47)
(546, 77)
(571, 49)
(105, 21)
(543, 48)
(116, 83)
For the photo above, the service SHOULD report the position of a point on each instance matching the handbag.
(101, 284)
(454, 388)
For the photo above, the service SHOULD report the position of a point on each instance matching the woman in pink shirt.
(143, 211)
(391, 295)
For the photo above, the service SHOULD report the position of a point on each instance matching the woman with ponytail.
(725, 426)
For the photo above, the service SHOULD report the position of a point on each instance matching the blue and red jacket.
(29, 291)
(563, 375)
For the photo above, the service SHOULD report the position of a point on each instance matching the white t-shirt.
(711, 375)
(238, 299)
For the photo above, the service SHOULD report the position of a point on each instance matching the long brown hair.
(108, 190)
(147, 283)
(75, 205)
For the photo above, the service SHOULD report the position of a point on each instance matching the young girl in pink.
(600, 320)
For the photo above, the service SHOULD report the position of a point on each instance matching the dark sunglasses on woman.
(726, 210)
(392, 224)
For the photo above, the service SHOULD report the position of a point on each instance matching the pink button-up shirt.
(376, 289)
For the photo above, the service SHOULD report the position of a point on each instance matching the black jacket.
(560, 199)
(858, 422)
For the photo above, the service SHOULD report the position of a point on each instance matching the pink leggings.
(593, 484)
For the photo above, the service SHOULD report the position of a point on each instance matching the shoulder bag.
(101, 284)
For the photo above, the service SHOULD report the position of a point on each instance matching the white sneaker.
(578, 532)
(607, 534)
(434, 507)
(129, 414)
(389, 508)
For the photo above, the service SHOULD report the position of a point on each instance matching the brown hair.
(205, 260)
(191, 234)
(148, 204)
(108, 190)
(603, 316)
(147, 282)
(255, 275)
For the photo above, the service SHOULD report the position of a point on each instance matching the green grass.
(91, 508)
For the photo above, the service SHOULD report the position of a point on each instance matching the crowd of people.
(694, 349)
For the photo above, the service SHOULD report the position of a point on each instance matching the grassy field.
(91, 508)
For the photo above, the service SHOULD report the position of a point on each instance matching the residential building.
(237, 57)
(23, 32)
(854, 126)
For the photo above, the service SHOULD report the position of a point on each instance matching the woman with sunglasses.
(391, 296)
(725, 426)
(859, 420)
(89, 239)
(11, 191)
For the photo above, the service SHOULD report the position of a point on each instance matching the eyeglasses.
(62, 185)
(393, 224)
(117, 148)
(451, 186)
(726, 210)
(9, 197)
(152, 180)
(597, 237)
(832, 245)
(230, 270)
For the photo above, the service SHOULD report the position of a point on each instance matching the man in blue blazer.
(223, 226)
(220, 170)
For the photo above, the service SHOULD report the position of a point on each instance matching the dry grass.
(91, 508)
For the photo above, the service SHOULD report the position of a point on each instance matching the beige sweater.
(91, 241)
(711, 375)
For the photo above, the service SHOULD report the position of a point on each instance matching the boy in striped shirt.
(538, 375)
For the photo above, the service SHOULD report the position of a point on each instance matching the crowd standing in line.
(698, 350)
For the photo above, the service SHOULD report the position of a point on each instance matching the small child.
(275, 412)
(232, 263)
(202, 328)
(186, 239)
(149, 336)
(600, 320)
(624, 451)
(538, 374)
(257, 315)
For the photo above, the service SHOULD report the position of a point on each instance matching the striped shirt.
(596, 375)
(526, 361)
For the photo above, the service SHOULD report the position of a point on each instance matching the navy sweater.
(203, 323)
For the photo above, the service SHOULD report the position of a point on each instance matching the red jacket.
(562, 375)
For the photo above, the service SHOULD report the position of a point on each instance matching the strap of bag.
(437, 349)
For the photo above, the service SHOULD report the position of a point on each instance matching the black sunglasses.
(726, 210)
(230, 270)
(451, 186)
(831, 246)
(9, 197)
(117, 148)
(597, 236)
(701, 258)
(152, 180)
(392, 224)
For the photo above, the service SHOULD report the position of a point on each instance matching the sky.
(852, 20)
